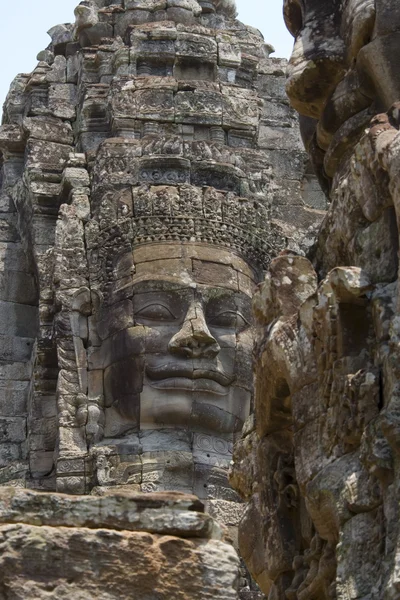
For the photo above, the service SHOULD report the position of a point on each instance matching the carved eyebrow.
(214, 294)
(235, 313)
(218, 293)
(155, 304)
(236, 302)
(148, 284)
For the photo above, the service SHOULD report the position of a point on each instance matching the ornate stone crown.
(191, 193)
(235, 223)
(188, 214)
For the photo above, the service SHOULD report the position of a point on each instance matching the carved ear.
(82, 302)
(97, 300)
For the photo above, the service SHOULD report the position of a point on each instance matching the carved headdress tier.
(150, 214)
(186, 192)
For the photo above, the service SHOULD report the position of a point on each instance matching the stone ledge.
(166, 513)
(118, 545)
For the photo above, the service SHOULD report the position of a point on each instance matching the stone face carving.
(322, 518)
(183, 337)
(170, 356)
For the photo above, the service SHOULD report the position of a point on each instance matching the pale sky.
(24, 23)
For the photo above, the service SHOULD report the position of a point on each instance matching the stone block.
(145, 254)
(13, 257)
(272, 86)
(9, 453)
(229, 55)
(156, 105)
(227, 513)
(13, 397)
(123, 379)
(158, 440)
(115, 318)
(240, 108)
(18, 319)
(277, 113)
(41, 154)
(212, 272)
(199, 107)
(18, 286)
(12, 430)
(167, 470)
(143, 533)
(13, 348)
(173, 409)
(62, 100)
(128, 342)
(15, 372)
(14, 474)
(41, 463)
(42, 434)
(211, 450)
(279, 138)
(49, 129)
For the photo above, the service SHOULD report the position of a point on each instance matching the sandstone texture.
(143, 546)
(318, 462)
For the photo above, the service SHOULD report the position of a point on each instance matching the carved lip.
(207, 386)
(175, 376)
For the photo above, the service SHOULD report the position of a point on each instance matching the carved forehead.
(176, 292)
(190, 265)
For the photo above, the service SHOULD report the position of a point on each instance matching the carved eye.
(155, 312)
(230, 319)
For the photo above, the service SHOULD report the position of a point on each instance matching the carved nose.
(194, 339)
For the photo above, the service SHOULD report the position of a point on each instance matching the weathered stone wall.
(318, 462)
(18, 329)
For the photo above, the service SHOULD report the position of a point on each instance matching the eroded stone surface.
(308, 461)
(114, 546)
(318, 462)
